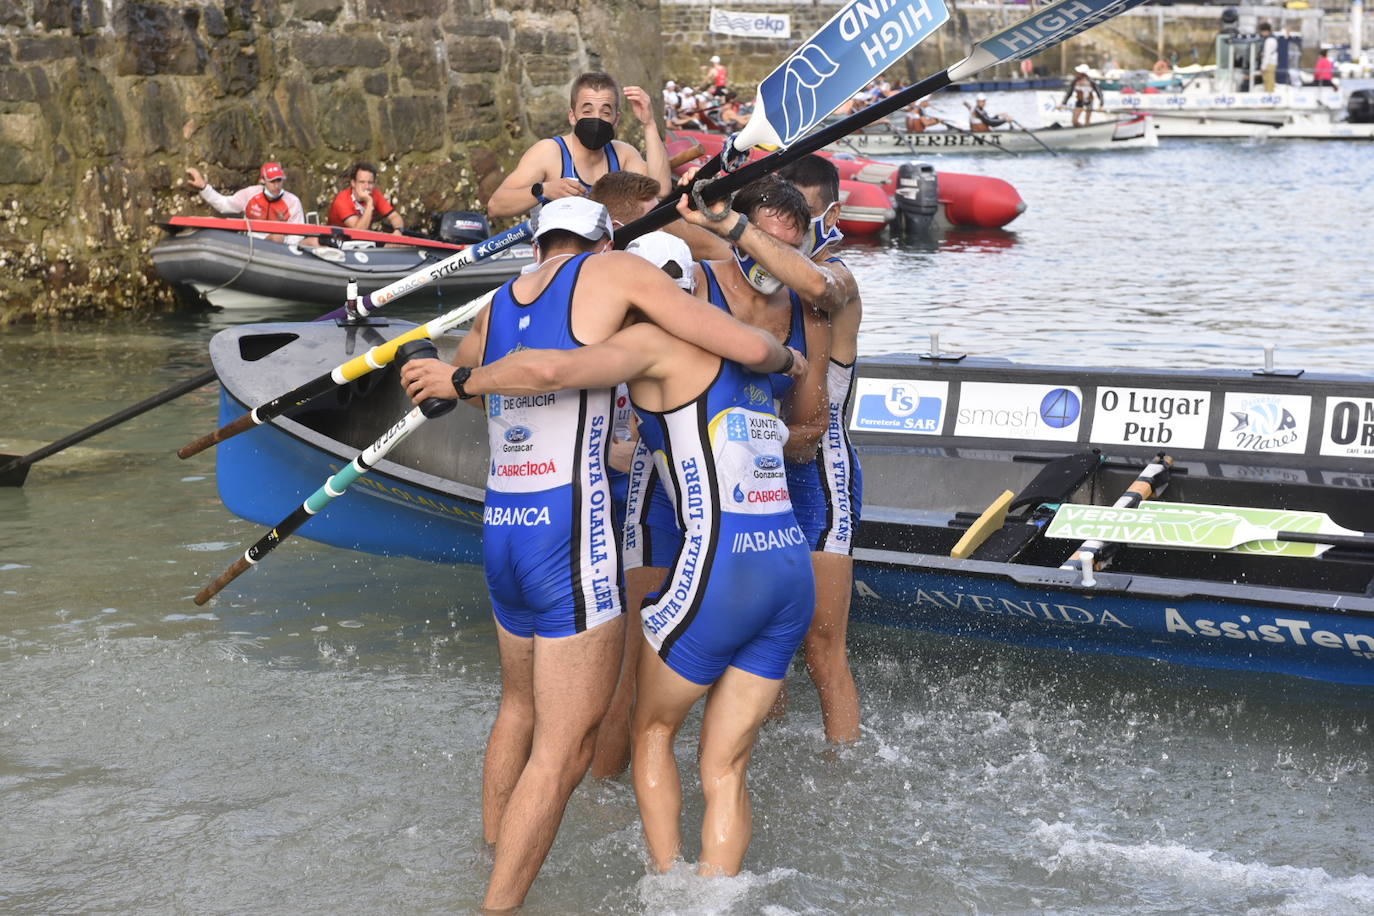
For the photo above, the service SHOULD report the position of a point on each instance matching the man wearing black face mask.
(569, 165)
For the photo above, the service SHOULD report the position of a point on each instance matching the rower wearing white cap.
(1082, 90)
(671, 101)
(979, 120)
(550, 552)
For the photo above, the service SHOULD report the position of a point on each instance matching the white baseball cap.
(981, 98)
(1081, 68)
(715, 60)
(577, 215)
(668, 252)
(670, 85)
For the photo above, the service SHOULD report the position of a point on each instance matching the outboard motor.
(917, 198)
(461, 227)
(1360, 108)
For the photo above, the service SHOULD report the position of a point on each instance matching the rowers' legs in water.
(572, 679)
(827, 657)
(508, 747)
(734, 712)
(664, 699)
(612, 754)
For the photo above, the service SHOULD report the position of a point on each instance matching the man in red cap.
(268, 201)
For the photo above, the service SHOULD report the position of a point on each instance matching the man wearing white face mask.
(266, 201)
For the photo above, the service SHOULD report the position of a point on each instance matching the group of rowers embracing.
(719, 500)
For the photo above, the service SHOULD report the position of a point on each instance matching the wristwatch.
(537, 189)
(460, 378)
(734, 234)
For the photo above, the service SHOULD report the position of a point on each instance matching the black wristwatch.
(740, 225)
(460, 378)
(537, 189)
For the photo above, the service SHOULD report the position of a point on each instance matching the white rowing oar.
(1095, 553)
(375, 358)
(338, 483)
(1196, 528)
(426, 275)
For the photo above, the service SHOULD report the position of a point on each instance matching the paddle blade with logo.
(1052, 25)
(1195, 527)
(853, 48)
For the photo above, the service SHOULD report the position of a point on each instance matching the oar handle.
(239, 567)
(686, 156)
(242, 424)
(1362, 542)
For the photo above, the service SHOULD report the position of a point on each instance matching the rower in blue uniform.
(739, 597)
(559, 624)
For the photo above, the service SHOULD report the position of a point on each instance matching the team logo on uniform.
(518, 434)
(737, 494)
(756, 395)
(736, 428)
(767, 462)
(524, 322)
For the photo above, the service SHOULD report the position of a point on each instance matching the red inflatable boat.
(868, 186)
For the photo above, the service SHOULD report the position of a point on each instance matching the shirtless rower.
(739, 598)
(569, 165)
(550, 555)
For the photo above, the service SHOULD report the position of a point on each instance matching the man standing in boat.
(1082, 90)
(1269, 56)
(550, 553)
(569, 165)
(266, 201)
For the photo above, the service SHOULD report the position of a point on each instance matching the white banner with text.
(751, 25)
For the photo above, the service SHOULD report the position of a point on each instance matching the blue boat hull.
(1305, 617)
(264, 474)
(969, 599)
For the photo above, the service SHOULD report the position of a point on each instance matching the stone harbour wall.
(103, 103)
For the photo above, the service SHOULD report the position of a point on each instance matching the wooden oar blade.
(854, 47)
(13, 470)
(1042, 30)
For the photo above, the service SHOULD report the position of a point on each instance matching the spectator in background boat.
(917, 118)
(730, 114)
(979, 120)
(359, 204)
(1082, 90)
(1269, 56)
(688, 105)
(716, 78)
(568, 166)
(266, 201)
(1323, 70)
(671, 100)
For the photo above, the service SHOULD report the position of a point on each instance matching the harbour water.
(312, 741)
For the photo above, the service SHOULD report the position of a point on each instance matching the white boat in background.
(1220, 102)
(886, 139)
